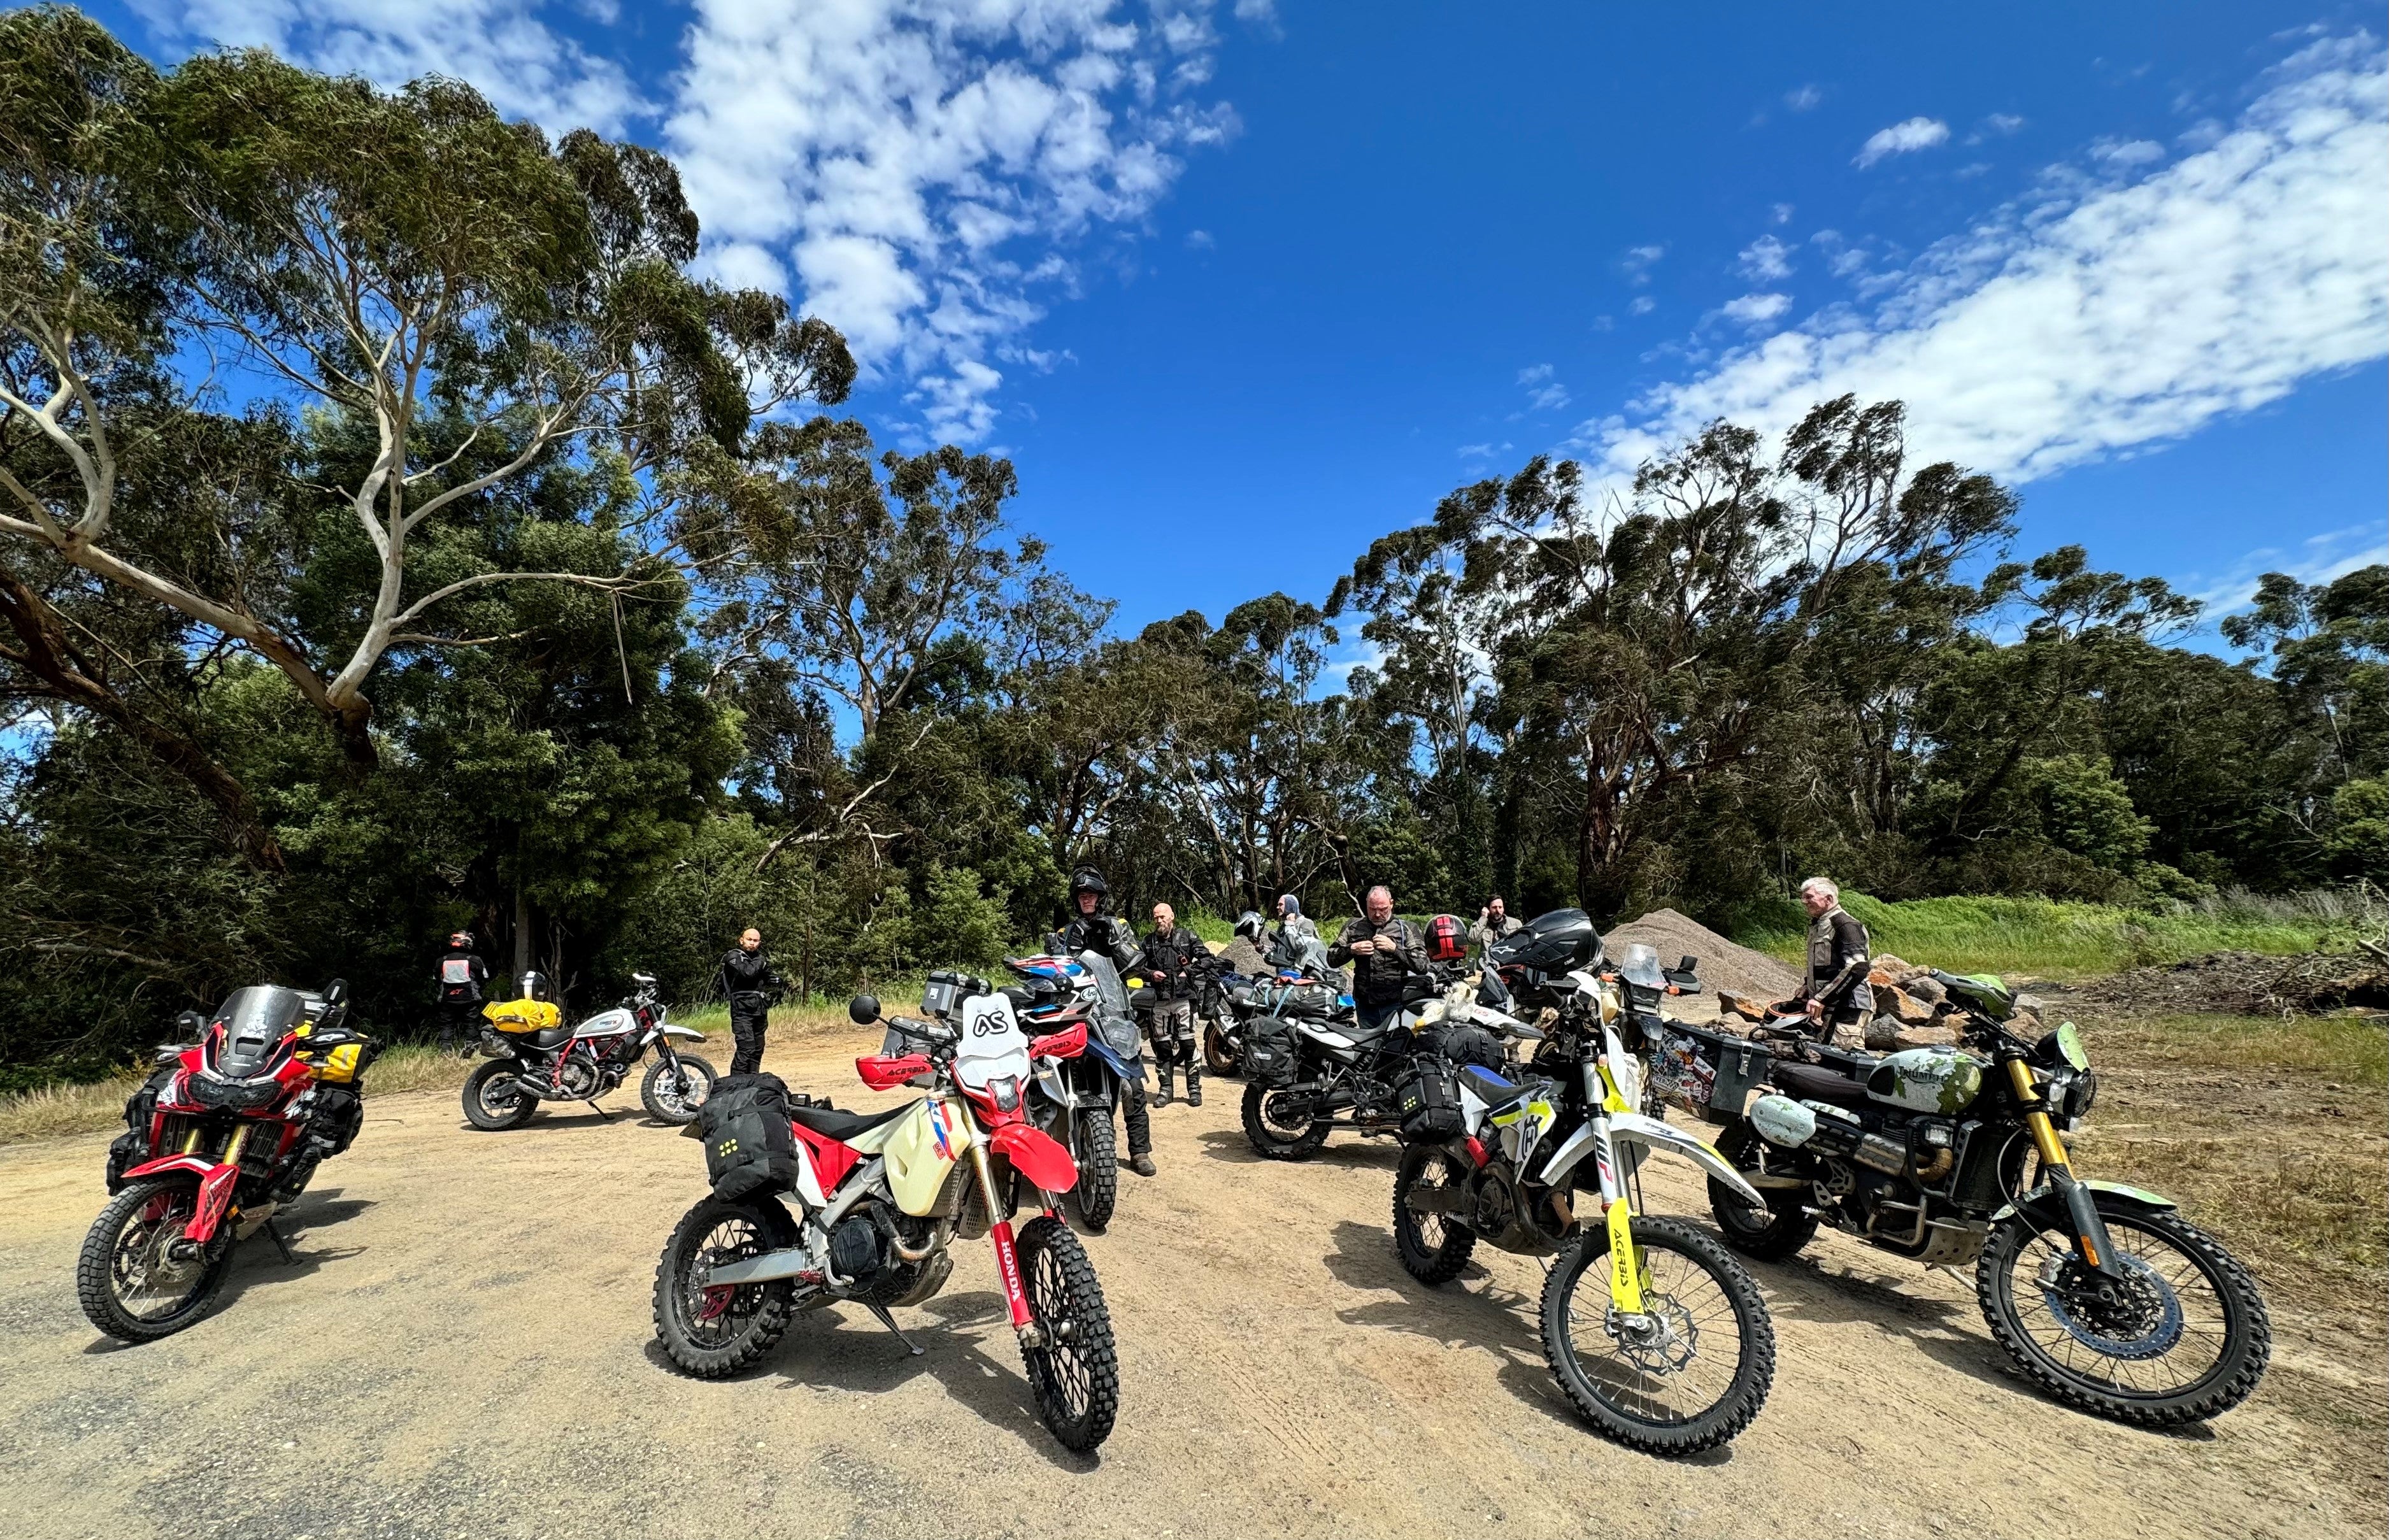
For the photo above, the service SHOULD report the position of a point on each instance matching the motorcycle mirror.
(190, 1024)
(863, 1009)
(335, 991)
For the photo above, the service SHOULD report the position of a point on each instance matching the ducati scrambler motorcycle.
(812, 1205)
(1657, 1335)
(534, 1058)
(228, 1130)
(2101, 1293)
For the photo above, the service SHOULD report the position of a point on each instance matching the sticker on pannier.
(1680, 1076)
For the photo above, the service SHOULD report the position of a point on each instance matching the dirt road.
(463, 1349)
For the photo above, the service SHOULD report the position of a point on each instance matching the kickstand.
(889, 1322)
(279, 1244)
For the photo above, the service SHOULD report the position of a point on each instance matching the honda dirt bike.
(2103, 1294)
(553, 1063)
(1072, 1099)
(227, 1131)
(1657, 1335)
(880, 1197)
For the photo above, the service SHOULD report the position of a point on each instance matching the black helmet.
(535, 984)
(1088, 880)
(1249, 925)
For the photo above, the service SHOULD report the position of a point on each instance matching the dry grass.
(98, 1106)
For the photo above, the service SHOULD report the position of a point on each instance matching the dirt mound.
(2246, 983)
(1723, 965)
(1242, 956)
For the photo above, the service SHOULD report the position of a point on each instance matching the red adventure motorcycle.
(228, 1130)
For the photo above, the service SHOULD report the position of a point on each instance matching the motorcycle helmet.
(460, 941)
(535, 984)
(1249, 925)
(1447, 939)
(1086, 879)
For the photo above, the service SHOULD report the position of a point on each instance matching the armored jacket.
(1838, 964)
(1379, 976)
(1174, 962)
(1106, 934)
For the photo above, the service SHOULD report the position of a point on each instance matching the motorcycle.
(227, 1131)
(879, 1198)
(532, 1058)
(1229, 1000)
(1310, 1068)
(2102, 1293)
(1072, 1099)
(1674, 1353)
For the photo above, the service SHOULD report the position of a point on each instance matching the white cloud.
(928, 167)
(2123, 153)
(1766, 259)
(1644, 305)
(1635, 264)
(2110, 315)
(1802, 98)
(2003, 123)
(1782, 213)
(1543, 392)
(1755, 310)
(2317, 559)
(499, 46)
(1200, 240)
(1903, 138)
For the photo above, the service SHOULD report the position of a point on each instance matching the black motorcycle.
(2101, 1293)
(1310, 1068)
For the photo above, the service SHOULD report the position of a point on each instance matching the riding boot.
(1194, 1082)
(1164, 1072)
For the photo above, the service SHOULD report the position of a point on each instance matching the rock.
(1885, 962)
(1936, 1036)
(1742, 1006)
(1911, 1010)
(1883, 1035)
(1882, 977)
(1924, 988)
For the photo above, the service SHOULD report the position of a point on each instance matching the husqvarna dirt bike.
(867, 1205)
(1657, 1336)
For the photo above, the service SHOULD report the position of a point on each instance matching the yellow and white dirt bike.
(1657, 1336)
(879, 1198)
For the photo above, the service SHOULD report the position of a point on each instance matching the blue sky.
(1242, 286)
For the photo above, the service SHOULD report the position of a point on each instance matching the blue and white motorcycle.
(1072, 1100)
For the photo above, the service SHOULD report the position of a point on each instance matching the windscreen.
(1640, 967)
(1114, 1019)
(255, 1020)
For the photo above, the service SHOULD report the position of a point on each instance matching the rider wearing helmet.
(1090, 930)
(458, 989)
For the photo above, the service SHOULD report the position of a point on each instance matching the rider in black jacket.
(1090, 930)
(748, 979)
(460, 976)
(1176, 963)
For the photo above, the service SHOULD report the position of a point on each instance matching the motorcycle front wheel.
(1692, 1373)
(712, 1332)
(1279, 1127)
(676, 1088)
(1098, 1190)
(136, 1279)
(2184, 1337)
(1076, 1372)
(493, 1098)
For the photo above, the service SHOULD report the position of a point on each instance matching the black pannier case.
(749, 1145)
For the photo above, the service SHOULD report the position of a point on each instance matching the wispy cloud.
(2109, 312)
(1755, 310)
(2317, 559)
(1903, 138)
(1766, 259)
(1801, 98)
(1636, 263)
(500, 47)
(1543, 392)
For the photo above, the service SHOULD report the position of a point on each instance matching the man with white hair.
(1834, 996)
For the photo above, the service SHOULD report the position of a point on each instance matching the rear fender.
(1036, 1156)
(1652, 1134)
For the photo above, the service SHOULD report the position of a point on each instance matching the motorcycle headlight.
(2084, 1093)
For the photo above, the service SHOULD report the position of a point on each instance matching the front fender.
(2047, 1206)
(1127, 1069)
(1036, 1156)
(198, 1165)
(1652, 1134)
(691, 1034)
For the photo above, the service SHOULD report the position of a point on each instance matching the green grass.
(2045, 939)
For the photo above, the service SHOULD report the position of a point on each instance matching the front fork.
(1007, 1254)
(1626, 1272)
(2091, 1238)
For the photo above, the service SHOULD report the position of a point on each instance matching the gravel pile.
(1723, 965)
(1240, 956)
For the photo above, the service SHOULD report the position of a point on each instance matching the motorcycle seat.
(1491, 1087)
(548, 1037)
(1813, 1083)
(829, 1123)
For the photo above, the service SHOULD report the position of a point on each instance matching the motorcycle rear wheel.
(1270, 1137)
(2205, 1302)
(704, 1332)
(128, 1243)
(1098, 1189)
(1770, 1234)
(1432, 1248)
(509, 1107)
(1700, 1294)
(1076, 1374)
(1219, 1056)
(675, 1100)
